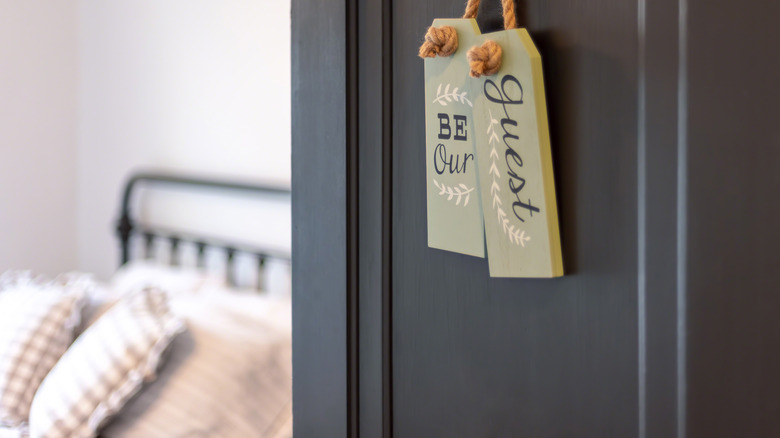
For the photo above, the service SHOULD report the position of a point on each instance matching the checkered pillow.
(104, 367)
(37, 321)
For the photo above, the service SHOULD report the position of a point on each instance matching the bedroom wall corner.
(38, 100)
(200, 88)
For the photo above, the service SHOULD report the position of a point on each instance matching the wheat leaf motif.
(513, 234)
(448, 96)
(458, 193)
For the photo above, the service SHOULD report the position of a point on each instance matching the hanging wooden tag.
(454, 207)
(515, 162)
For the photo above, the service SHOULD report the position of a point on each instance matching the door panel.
(663, 123)
(733, 198)
(319, 210)
(475, 356)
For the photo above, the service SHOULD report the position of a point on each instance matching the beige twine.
(507, 6)
(509, 14)
(471, 9)
(443, 41)
(484, 59)
(439, 41)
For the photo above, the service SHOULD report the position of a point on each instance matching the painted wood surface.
(455, 220)
(658, 330)
(370, 214)
(732, 239)
(476, 356)
(515, 162)
(319, 203)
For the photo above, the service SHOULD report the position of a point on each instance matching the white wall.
(38, 68)
(200, 86)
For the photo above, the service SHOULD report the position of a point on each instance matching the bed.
(221, 366)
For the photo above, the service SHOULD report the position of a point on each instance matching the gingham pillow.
(104, 367)
(37, 321)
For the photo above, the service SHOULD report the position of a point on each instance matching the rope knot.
(484, 59)
(439, 41)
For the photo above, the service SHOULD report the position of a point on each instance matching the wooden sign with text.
(515, 162)
(454, 207)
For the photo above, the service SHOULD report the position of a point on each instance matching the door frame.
(341, 203)
(324, 218)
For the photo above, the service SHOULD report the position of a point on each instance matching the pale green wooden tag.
(454, 207)
(515, 162)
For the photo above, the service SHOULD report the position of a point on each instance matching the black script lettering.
(444, 122)
(510, 153)
(516, 184)
(531, 209)
(442, 161)
(466, 160)
(440, 154)
(513, 159)
(507, 134)
(503, 98)
(460, 127)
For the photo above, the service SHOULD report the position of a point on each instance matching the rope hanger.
(507, 6)
(484, 59)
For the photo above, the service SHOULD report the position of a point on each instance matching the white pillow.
(229, 375)
(37, 321)
(140, 274)
(104, 367)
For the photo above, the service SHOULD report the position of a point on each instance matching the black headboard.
(128, 226)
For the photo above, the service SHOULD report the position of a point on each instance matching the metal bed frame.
(127, 226)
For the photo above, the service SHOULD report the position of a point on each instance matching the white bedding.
(228, 375)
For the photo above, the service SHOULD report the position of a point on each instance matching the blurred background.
(91, 91)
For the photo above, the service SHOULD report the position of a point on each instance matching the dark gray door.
(664, 125)
(666, 147)
(481, 357)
